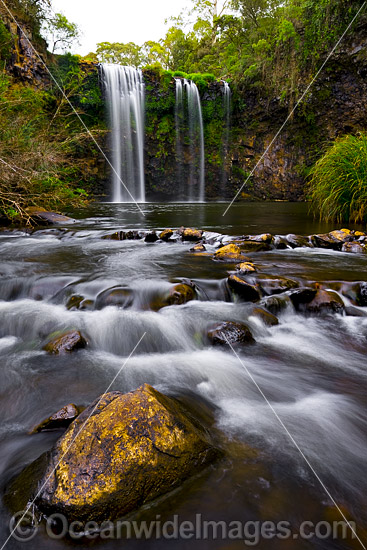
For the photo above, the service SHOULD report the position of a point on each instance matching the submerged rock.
(118, 296)
(198, 248)
(181, 294)
(116, 236)
(324, 301)
(230, 253)
(275, 285)
(42, 217)
(121, 452)
(245, 290)
(66, 343)
(230, 333)
(354, 248)
(297, 241)
(276, 304)
(61, 419)
(254, 246)
(189, 234)
(326, 241)
(266, 317)
(302, 296)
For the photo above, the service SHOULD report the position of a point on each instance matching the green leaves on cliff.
(338, 187)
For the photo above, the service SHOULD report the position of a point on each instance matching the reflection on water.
(312, 370)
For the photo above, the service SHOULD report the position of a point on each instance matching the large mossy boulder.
(230, 253)
(246, 291)
(121, 452)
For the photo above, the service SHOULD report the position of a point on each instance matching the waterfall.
(179, 119)
(195, 189)
(226, 130)
(124, 88)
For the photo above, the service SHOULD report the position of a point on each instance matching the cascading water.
(227, 94)
(191, 112)
(179, 118)
(124, 88)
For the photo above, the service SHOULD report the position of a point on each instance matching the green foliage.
(122, 54)
(62, 32)
(6, 42)
(338, 189)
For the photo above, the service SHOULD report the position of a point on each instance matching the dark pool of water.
(312, 370)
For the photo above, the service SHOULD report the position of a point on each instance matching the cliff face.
(24, 63)
(335, 105)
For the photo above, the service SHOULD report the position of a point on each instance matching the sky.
(118, 20)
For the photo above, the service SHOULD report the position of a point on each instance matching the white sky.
(118, 20)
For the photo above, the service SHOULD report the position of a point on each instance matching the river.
(311, 369)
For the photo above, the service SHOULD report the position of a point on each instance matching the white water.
(124, 89)
(195, 189)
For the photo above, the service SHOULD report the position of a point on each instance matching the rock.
(181, 294)
(254, 246)
(343, 235)
(118, 296)
(354, 247)
(245, 290)
(61, 419)
(352, 311)
(42, 217)
(124, 450)
(229, 253)
(246, 267)
(326, 241)
(229, 332)
(189, 234)
(116, 236)
(66, 343)
(263, 238)
(325, 301)
(151, 237)
(74, 302)
(133, 235)
(297, 241)
(166, 234)
(198, 248)
(280, 242)
(276, 304)
(362, 295)
(266, 317)
(302, 296)
(358, 233)
(276, 285)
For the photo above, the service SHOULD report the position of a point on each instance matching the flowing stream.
(312, 369)
(124, 89)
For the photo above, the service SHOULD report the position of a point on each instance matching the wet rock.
(117, 296)
(352, 311)
(230, 333)
(166, 234)
(74, 302)
(122, 451)
(343, 235)
(230, 253)
(276, 304)
(326, 241)
(297, 241)
(61, 419)
(66, 343)
(254, 246)
(302, 296)
(181, 294)
(276, 285)
(42, 217)
(198, 248)
(189, 234)
(263, 238)
(280, 242)
(116, 236)
(362, 295)
(354, 247)
(246, 267)
(247, 292)
(266, 317)
(151, 237)
(325, 301)
(133, 235)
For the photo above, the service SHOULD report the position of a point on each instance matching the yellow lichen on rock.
(121, 453)
(230, 252)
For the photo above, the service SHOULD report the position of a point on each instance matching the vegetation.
(338, 188)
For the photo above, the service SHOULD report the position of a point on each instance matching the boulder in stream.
(66, 343)
(189, 234)
(181, 294)
(245, 290)
(166, 234)
(230, 253)
(229, 332)
(121, 452)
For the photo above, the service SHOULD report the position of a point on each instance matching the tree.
(62, 32)
(122, 54)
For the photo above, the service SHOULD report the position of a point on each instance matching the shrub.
(338, 186)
